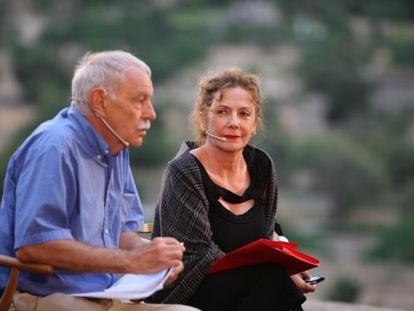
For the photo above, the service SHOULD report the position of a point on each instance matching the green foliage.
(331, 66)
(147, 31)
(375, 9)
(40, 71)
(152, 34)
(162, 37)
(396, 242)
(353, 167)
(400, 162)
(406, 199)
(380, 132)
(2, 21)
(279, 147)
(396, 9)
(309, 243)
(344, 289)
(345, 171)
(403, 49)
(157, 148)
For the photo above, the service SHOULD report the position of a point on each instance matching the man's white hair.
(102, 69)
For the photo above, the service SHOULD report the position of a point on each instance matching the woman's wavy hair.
(210, 89)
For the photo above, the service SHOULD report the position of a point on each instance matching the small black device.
(315, 279)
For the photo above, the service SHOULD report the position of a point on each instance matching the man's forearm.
(130, 241)
(137, 257)
(74, 256)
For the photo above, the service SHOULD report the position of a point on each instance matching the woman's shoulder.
(258, 156)
(183, 169)
(184, 160)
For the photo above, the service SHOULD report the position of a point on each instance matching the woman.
(219, 194)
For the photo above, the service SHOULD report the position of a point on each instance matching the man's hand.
(299, 280)
(160, 253)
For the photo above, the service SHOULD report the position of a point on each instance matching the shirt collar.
(92, 142)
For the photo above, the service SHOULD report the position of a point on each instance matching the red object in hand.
(266, 251)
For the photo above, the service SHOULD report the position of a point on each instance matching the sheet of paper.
(132, 286)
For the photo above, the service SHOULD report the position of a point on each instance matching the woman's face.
(232, 117)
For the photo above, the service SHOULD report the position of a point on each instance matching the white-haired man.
(70, 200)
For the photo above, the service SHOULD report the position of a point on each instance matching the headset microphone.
(217, 137)
(123, 141)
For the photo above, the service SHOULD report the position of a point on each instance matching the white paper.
(132, 286)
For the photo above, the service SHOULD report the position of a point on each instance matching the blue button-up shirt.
(64, 183)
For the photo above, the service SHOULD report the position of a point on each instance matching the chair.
(16, 266)
(146, 231)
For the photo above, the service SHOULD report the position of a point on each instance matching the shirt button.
(106, 231)
(99, 157)
(106, 151)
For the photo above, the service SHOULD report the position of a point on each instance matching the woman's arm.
(182, 213)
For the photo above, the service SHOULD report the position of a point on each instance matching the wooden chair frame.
(16, 266)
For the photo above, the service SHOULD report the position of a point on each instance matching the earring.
(254, 131)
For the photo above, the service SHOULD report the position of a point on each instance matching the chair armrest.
(16, 266)
(146, 231)
(147, 228)
(12, 262)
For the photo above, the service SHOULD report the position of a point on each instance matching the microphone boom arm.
(223, 139)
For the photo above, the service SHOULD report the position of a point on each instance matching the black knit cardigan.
(182, 212)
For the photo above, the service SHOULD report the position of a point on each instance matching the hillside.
(338, 81)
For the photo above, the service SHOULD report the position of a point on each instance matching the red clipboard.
(266, 251)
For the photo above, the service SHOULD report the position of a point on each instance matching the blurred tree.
(400, 162)
(344, 171)
(3, 23)
(406, 199)
(353, 165)
(396, 9)
(158, 147)
(345, 289)
(395, 242)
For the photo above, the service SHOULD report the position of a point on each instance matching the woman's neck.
(226, 169)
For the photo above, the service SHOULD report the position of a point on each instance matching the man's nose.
(149, 112)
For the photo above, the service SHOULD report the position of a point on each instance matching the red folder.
(266, 251)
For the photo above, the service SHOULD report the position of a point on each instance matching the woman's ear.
(203, 127)
(97, 101)
(253, 132)
(202, 121)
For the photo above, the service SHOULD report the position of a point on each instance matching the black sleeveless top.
(232, 231)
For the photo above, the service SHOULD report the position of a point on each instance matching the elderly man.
(70, 200)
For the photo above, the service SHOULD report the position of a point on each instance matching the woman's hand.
(176, 270)
(300, 279)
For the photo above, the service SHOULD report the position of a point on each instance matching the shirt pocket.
(126, 205)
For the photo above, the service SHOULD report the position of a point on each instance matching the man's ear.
(98, 101)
